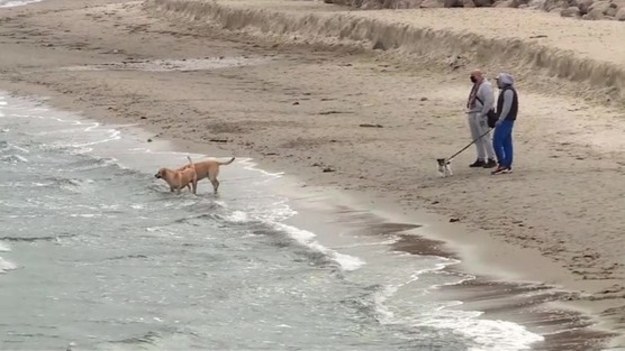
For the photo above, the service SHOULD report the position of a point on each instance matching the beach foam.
(491, 335)
(14, 3)
(4, 247)
(6, 265)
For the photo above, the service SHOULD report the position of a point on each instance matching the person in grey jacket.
(481, 100)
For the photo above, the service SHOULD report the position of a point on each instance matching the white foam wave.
(58, 131)
(237, 217)
(93, 126)
(14, 158)
(251, 166)
(349, 263)
(461, 280)
(115, 135)
(82, 151)
(31, 116)
(18, 148)
(6, 265)
(85, 215)
(4, 247)
(278, 211)
(489, 335)
(392, 240)
(221, 203)
(81, 147)
(14, 3)
(385, 315)
(306, 238)
(98, 163)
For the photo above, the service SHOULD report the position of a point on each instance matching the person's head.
(476, 76)
(504, 80)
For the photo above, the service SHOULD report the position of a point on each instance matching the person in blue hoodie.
(507, 109)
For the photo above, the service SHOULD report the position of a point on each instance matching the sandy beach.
(298, 85)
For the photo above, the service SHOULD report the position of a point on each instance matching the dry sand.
(291, 82)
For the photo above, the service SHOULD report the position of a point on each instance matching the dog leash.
(466, 147)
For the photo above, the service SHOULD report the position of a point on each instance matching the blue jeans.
(502, 142)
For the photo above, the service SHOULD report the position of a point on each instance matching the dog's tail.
(190, 160)
(227, 162)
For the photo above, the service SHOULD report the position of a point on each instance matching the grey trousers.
(484, 146)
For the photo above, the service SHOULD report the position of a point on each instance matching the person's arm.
(487, 97)
(508, 96)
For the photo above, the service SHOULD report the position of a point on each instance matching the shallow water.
(13, 3)
(96, 253)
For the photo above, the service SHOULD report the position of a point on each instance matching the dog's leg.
(215, 183)
(194, 183)
(178, 182)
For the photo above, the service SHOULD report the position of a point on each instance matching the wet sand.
(306, 103)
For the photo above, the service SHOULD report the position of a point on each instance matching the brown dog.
(208, 169)
(178, 179)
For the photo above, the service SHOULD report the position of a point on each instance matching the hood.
(505, 79)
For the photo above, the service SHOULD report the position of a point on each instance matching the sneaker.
(490, 163)
(477, 163)
(498, 170)
(501, 170)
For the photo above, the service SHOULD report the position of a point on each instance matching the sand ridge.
(535, 45)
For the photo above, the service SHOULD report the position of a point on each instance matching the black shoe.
(478, 163)
(490, 164)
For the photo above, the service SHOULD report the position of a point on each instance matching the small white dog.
(444, 167)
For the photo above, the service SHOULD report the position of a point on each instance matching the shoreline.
(327, 207)
(462, 233)
(498, 287)
(506, 294)
(323, 209)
